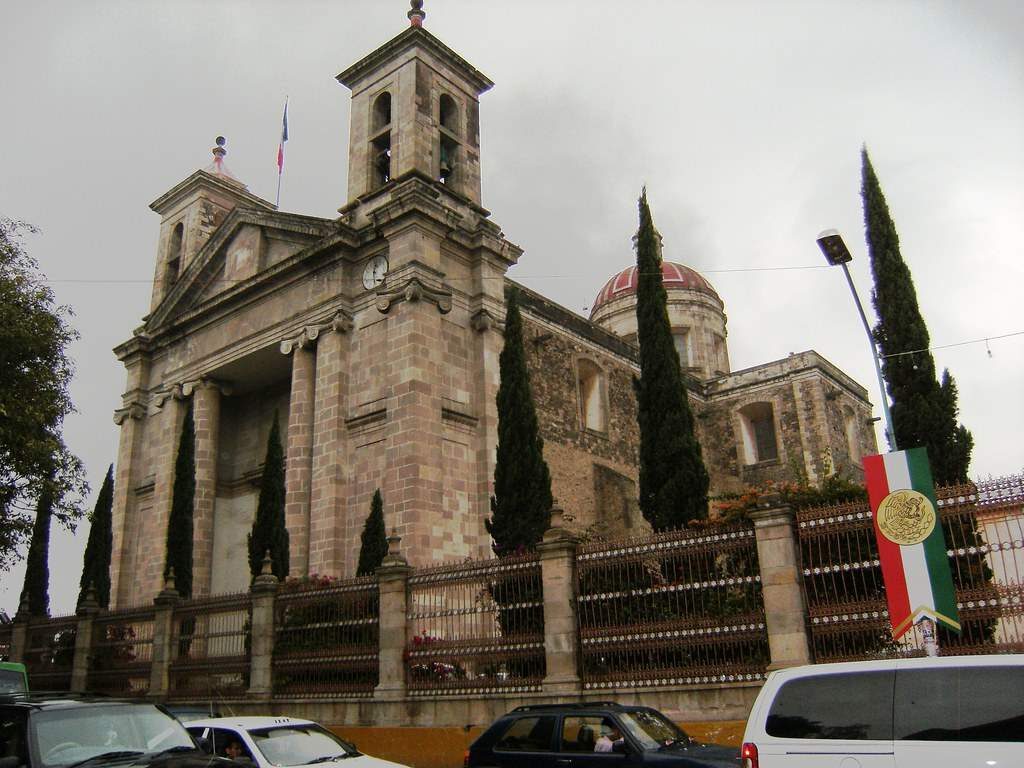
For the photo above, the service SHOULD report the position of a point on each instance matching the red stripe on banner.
(888, 552)
(280, 157)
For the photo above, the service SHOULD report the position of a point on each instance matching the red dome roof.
(673, 275)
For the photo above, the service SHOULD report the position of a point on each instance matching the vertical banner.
(911, 547)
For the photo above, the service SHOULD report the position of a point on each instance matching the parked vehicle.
(947, 712)
(43, 732)
(592, 735)
(13, 677)
(272, 742)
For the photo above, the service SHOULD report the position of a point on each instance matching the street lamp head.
(835, 250)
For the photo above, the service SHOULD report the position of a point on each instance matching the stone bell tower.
(428, 297)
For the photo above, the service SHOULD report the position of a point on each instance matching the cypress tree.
(37, 567)
(521, 504)
(96, 565)
(673, 479)
(924, 412)
(269, 531)
(179, 524)
(374, 538)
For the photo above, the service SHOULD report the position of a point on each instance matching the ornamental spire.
(417, 14)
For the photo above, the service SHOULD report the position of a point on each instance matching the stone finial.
(266, 581)
(267, 568)
(394, 556)
(169, 594)
(89, 604)
(417, 14)
(557, 516)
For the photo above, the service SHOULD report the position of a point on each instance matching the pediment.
(247, 244)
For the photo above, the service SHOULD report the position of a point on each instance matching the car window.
(581, 733)
(819, 707)
(651, 728)
(532, 734)
(13, 738)
(224, 738)
(299, 744)
(69, 735)
(960, 704)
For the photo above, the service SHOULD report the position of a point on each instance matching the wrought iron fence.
(477, 627)
(210, 647)
(122, 652)
(5, 641)
(50, 652)
(326, 639)
(675, 608)
(845, 593)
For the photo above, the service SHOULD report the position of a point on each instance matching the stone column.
(261, 648)
(87, 611)
(206, 414)
(131, 419)
(299, 448)
(784, 610)
(163, 638)
(561, 632)
(328, 542)
(19, 632)
(392, 581)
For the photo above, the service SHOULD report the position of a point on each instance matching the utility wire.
(955, 344)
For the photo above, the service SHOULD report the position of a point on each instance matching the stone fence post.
(561, 632)
(19, 632)
(87, 611)
(779, 560)
(261, 645)
(163, 638)
(392, 582)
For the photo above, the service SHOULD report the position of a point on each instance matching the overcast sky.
(744, 119)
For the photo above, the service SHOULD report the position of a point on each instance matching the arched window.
(382, 111)
(449, 113)
(681, 340)
(173, 269)
(757, 422)
(380, 141)
(591, 389)
(852, 434)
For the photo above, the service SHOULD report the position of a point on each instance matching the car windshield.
(300, 744)
(652, 729)
(75, 734)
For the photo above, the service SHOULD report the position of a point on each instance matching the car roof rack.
(570, 705)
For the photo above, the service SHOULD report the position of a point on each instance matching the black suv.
(592, 735)
(65, 732)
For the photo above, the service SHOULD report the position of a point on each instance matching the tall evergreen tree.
(96, 564)
(673, 479)
(37, 568)
(521, 504)
(924, 412)
(179, 524)
(374, 539)
(269, 531)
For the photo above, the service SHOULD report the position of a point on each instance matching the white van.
(947, 712)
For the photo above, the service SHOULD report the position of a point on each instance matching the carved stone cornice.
(413, 290)
(483, 321)
(340, 322)
(134, 410)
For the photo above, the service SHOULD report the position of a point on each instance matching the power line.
(984, 340)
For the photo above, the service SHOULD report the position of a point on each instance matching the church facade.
(373, 338)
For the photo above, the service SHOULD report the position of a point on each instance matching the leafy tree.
(34, 399)
(96, 564)
(374, 538)
(268, 529)
(924, 412)
(673, 479)
(37, 571)
(179, 524)
(521, 504)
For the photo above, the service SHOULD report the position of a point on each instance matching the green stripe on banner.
(935, 545)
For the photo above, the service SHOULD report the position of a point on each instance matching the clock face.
(375, 271)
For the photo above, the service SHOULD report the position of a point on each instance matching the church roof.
(673, 276)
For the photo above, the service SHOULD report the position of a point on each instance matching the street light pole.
(837, 254)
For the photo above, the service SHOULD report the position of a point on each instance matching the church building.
(373, 338)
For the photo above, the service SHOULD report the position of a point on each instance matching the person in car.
(610, 736)
(235, 750)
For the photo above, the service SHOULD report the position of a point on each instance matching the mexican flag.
(911, 547)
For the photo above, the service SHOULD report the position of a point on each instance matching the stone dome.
(673, 275)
